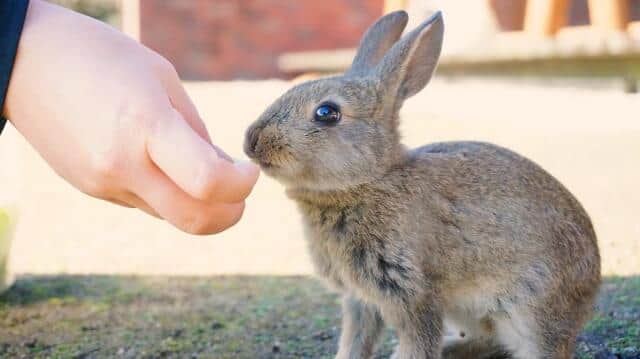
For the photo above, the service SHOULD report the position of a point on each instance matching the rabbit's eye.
(327, 113)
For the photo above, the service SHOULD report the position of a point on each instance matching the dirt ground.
(589, 139)
(227, 317)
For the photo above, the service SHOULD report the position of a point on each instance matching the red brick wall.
(230, 39)
(510, 13)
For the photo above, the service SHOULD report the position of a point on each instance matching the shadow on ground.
(226, 317)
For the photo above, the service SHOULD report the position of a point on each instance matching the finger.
(130, 200)
(194, 165)
(120, 203)
(183, 104)
(184, 212)
(234, 181)
(181, 101)
(222, 154)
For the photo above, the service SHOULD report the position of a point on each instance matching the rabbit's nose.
(251, 140)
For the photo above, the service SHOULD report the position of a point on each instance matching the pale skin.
(111, 117)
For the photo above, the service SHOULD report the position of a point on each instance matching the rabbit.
(464, 234)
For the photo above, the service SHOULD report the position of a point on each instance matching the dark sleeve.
(12, 15)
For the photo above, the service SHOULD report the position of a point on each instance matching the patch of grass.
(225, 317)
(614, 331)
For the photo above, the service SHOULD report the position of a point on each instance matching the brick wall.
(231, 39)
(510, 13)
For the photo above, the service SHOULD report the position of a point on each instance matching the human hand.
(112, 118)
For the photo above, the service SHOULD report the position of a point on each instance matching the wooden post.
(545, 17)
(609, 15)
(131, 18)
(509, 13)
(393, 5)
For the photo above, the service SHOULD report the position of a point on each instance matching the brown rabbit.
(466, 233)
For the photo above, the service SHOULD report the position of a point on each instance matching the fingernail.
(247, 167)
(222, 154)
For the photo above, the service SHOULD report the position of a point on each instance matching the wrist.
(17, 83)
(39, 44)
(12, 19)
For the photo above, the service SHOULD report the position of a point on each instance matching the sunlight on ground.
(227, 317)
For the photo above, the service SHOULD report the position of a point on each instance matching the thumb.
(194, 165)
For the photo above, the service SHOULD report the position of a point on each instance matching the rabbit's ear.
(409, 65)
(377, 40)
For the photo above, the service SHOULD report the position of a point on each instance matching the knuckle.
(105, 166)
(96, 187)
(135, 116)
(102, 176)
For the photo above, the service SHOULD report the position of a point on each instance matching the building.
(253, 39)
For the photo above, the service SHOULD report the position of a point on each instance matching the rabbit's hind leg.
(519, 333)
(546, 327)
(560, 320)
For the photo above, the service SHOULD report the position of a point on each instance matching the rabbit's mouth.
(279, 168)
(269, 164)
(266, 165)
(271, 151)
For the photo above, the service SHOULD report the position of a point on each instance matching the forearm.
(12, 16)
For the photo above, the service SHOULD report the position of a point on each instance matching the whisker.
(312, 132)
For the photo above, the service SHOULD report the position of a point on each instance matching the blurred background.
(552, 79)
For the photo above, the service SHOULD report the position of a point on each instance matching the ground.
(227, 317)
(587, 138)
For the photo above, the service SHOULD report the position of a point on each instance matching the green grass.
(6, 232)
(225, 317)
(615, 328)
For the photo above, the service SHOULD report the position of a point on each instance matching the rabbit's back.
(478, 173)
(497, 207)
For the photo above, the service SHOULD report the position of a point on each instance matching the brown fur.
(467, 233)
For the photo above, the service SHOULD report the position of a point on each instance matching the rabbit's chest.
(354, 260)
(325, 261)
